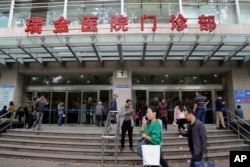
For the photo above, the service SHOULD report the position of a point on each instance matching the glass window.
(4, 13)
(227, 12)
(48, 11)
(69, 80)
(224, 11)
(244, 11)
(176, 79)
(134, 9)
(103, 9)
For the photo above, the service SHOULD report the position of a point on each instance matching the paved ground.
(12, 162)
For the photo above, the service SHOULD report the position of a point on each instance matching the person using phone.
(126, 117)
(151, 130)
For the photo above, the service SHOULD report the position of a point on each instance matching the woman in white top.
(179, 116)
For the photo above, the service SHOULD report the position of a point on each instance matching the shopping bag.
(139, 146)
(151, 154)
(204, 163)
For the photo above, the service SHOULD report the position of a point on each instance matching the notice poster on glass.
(6, 95)
(124, 93)
(242, 96)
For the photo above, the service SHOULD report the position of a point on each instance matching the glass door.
(105, 95)
(73, 112)
(155, 97)
(47, 109)
(57, 97)
(88, 107)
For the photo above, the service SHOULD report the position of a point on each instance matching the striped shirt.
(200, 101)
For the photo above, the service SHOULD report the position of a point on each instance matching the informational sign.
(6, 95)
(242, 96)
(121, 74)
(124, 93)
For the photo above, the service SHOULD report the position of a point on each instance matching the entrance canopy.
(121, 47)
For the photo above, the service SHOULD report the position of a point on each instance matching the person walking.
(60, 113)
(179, 116)
(29, 109)
(40, 104)
(99, 114)
(113, 107)
(197, 137)
(126, 117)
(151, 130)
(219, 112)
(200, 103)
(163, 109)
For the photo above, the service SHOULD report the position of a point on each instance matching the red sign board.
(119, 23)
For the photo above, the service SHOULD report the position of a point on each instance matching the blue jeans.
(200, 114)
(59, 121)
(195, 158)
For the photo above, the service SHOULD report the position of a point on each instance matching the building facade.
(83, 51)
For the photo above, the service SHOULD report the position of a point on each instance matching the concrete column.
(122, 85)
(238, 79)
(13, 78)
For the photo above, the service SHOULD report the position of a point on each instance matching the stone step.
(133, 159)
(97, 133)
(87, 145)
(110, 152)
(68, 138)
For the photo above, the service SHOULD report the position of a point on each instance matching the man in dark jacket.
(197, 137)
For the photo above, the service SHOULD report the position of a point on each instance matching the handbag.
(151, 155)
(139, 146)
(205, 163)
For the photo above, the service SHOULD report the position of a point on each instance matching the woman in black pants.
(179, 116)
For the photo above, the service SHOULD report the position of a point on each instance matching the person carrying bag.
(204, 163)
(149, 147)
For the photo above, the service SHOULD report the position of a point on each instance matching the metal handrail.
(237, 124)
(8, 125)
(110, 132)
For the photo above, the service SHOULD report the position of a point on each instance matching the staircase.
(83, 144)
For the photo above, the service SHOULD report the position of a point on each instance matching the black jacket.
(199, 136)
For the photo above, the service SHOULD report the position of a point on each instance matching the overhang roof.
(122, 47)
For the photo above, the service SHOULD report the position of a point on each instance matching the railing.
(239, 125)
(5, 122)
(110, 132)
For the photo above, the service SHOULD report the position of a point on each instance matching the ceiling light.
(166, 75)
(82, 76)
(215, 75)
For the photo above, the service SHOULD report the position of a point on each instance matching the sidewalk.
(12, 162)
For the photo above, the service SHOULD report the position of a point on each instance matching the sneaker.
(180, 136)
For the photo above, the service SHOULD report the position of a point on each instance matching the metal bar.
(213, 53)
(73, 53)
(119, 47)
(237, 51)
(96, 52)
(190, 53)
(59, 61)
(26, 52)
(144, 52)
(168, 51)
